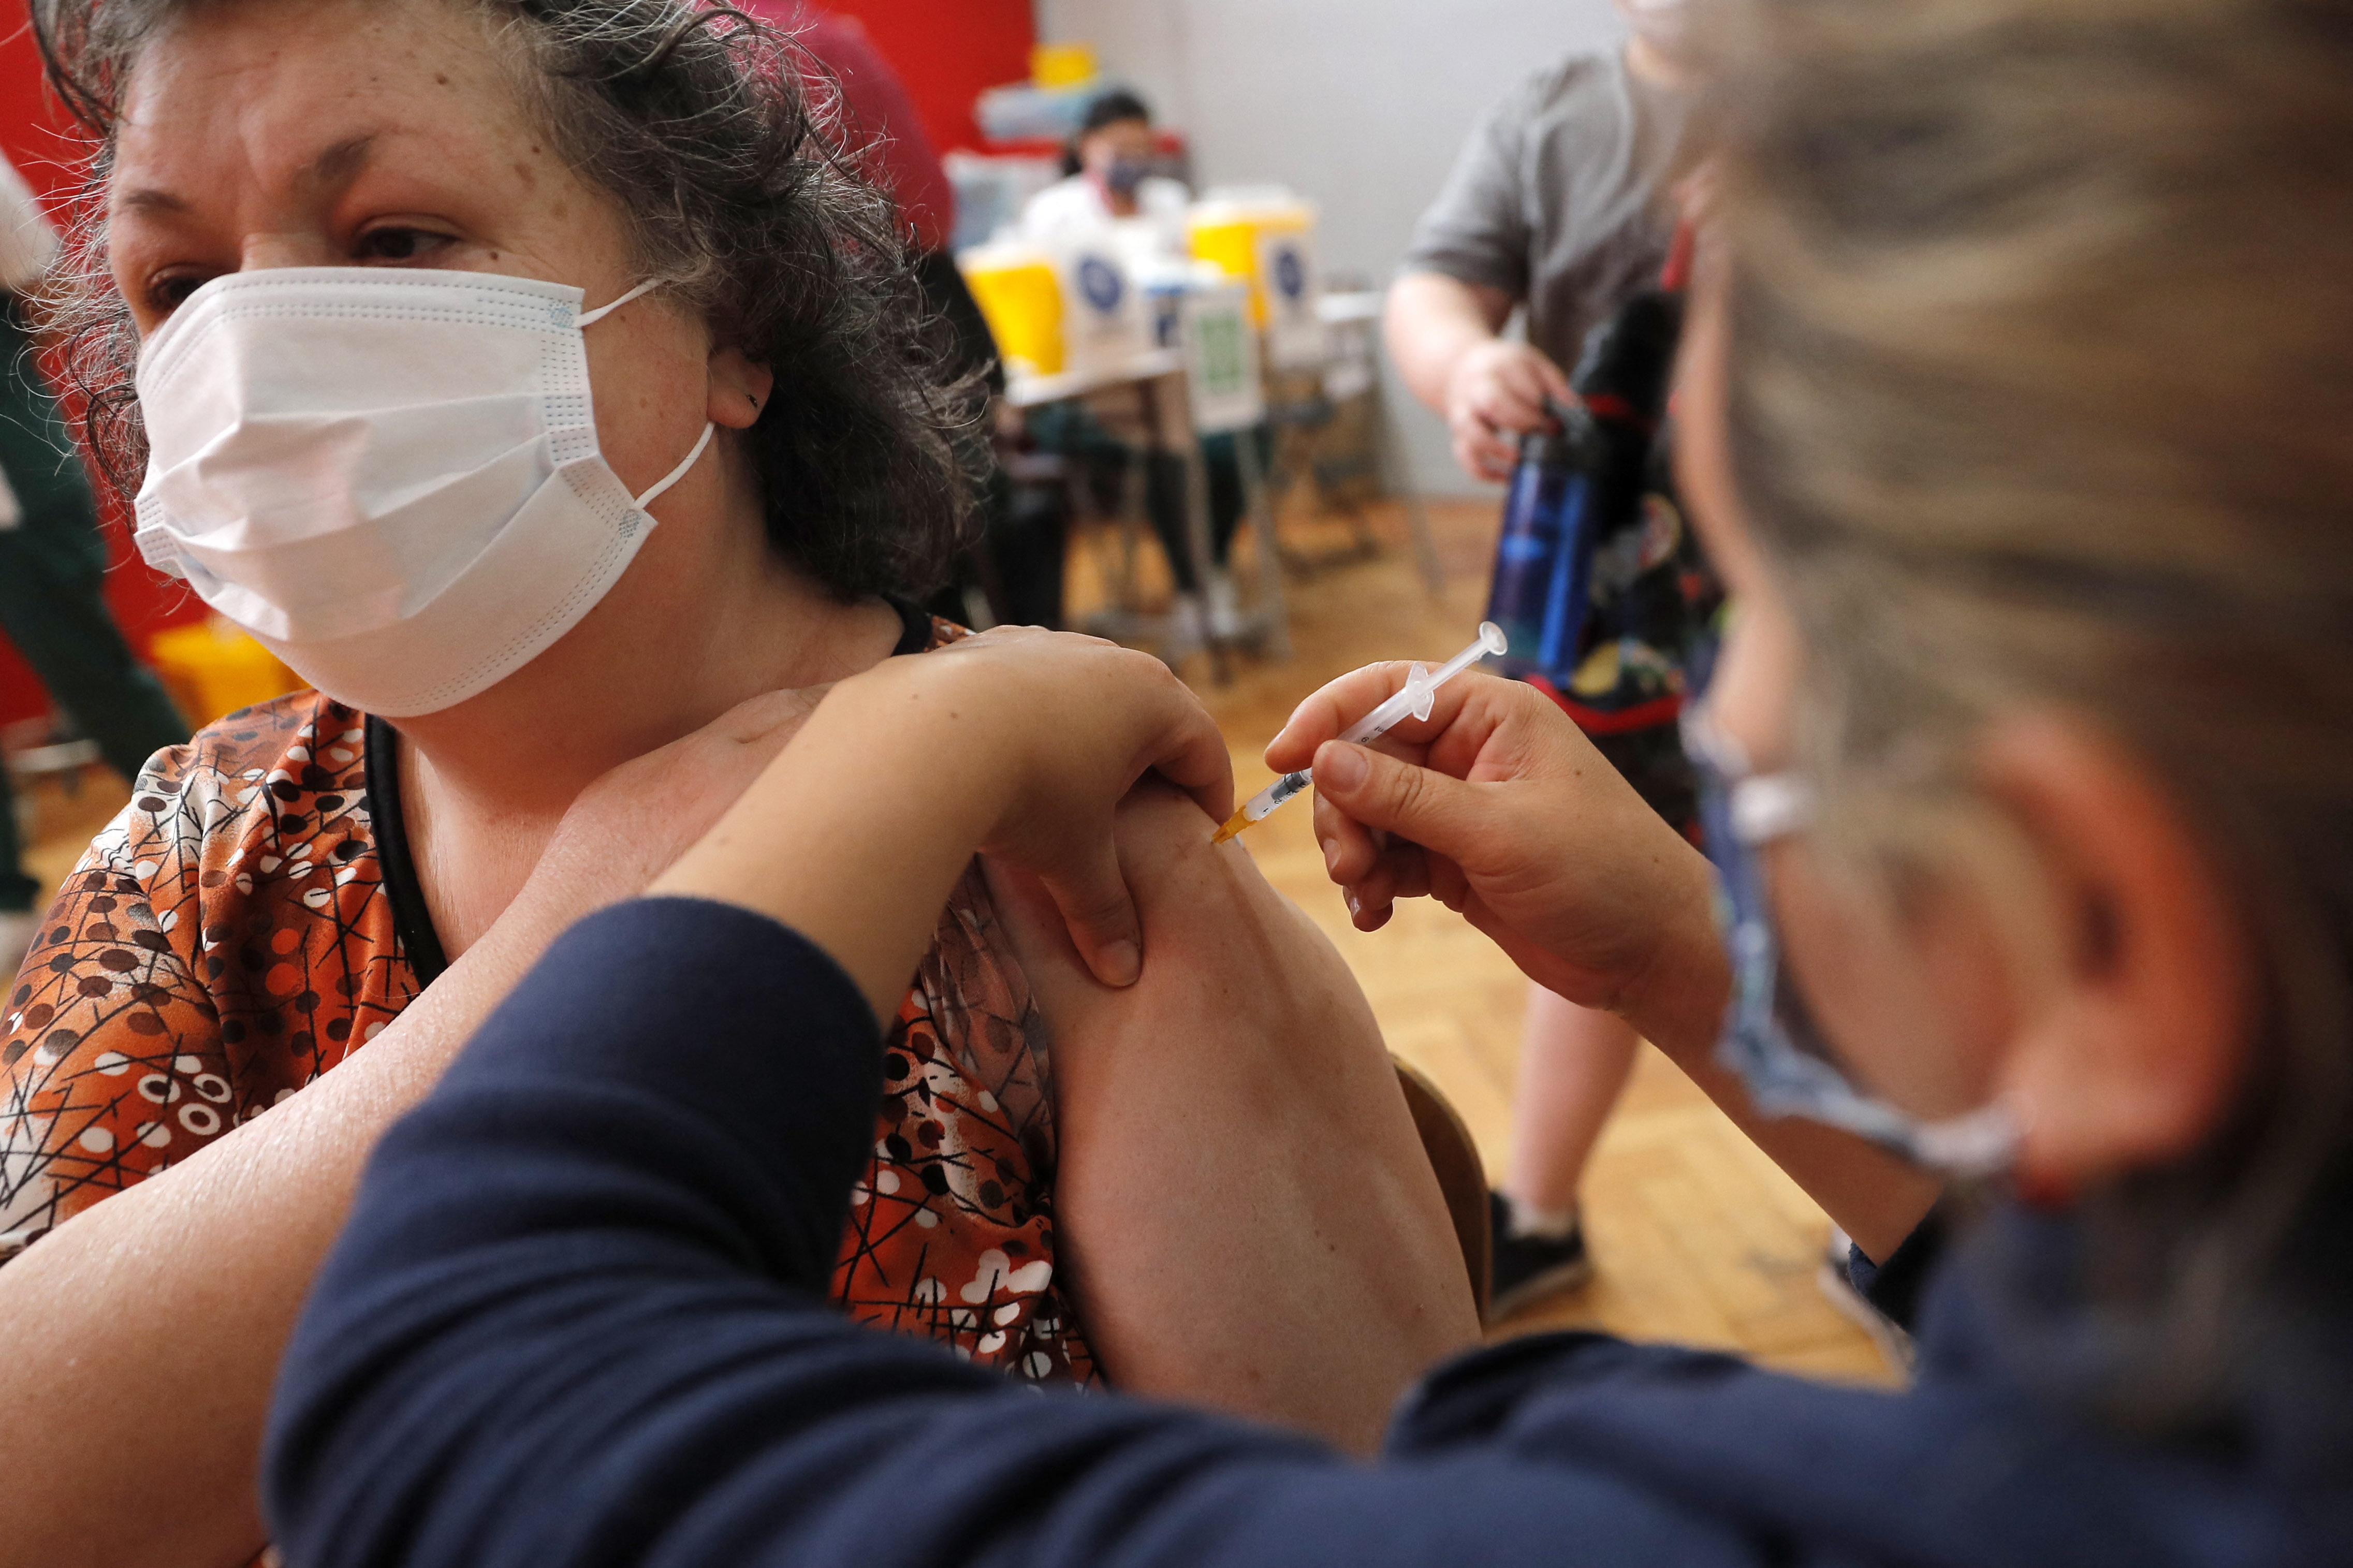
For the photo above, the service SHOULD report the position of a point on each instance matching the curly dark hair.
(738, 183)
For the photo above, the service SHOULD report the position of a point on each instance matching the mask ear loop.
(677, 473)
(589, 318)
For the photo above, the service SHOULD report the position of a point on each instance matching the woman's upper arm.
(1245, 1208)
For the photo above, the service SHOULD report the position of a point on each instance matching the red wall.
(948, 51)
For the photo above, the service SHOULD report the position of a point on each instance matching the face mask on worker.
(1770, 1040)
(390, 476)
(1127, 175)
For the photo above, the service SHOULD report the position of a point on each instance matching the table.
(1029, 390)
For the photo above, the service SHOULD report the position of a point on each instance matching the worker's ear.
(2130, 1057)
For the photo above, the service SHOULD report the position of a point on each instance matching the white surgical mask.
(390, 476)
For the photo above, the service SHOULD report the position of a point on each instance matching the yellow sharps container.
(1021, 296)
(1231, 232)
(1061, 65)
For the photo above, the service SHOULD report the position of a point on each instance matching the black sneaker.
(1527, 1268)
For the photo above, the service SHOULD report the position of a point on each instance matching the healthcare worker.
(1108, 176)
(1109, 181)
(2032, 752)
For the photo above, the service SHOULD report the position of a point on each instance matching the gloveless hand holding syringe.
(1414, 701)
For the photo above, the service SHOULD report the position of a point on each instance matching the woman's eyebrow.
(150, 201)
(335, 165)
(338, 163)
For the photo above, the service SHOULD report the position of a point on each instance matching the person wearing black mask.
(1108, 174)
(1109, 178)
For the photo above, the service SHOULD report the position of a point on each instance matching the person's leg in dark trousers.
(1164, 503)
(1072, 430)
(1228, 500)
(1228, 504)
(1068, 428)
(52, 602)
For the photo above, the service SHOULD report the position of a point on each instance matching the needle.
(1421, 684)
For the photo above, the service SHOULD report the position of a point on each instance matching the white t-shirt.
(1077, 204)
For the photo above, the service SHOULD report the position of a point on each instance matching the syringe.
(1421, 684)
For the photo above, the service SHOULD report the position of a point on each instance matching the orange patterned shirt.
(238, 930)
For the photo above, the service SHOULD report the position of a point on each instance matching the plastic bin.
(1019, 292)
(1061, 65)
(1266, 237)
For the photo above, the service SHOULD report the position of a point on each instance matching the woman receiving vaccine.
(541, 387)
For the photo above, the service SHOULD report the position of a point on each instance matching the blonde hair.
(2042, 392)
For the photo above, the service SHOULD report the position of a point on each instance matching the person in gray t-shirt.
(1559, 204)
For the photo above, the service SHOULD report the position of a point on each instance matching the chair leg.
(1273, 614)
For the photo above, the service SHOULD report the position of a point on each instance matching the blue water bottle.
(1544, 560)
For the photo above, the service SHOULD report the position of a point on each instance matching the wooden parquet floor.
(1696, 1238)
